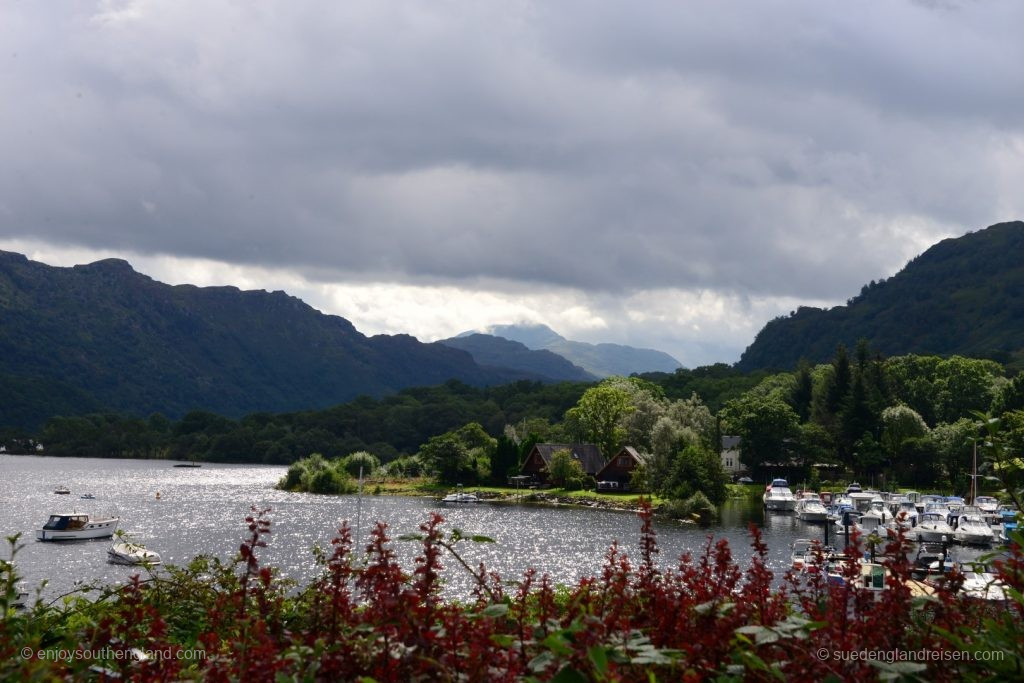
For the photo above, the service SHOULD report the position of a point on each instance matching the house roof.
(588, 454)
(730, 443)
(638, 458)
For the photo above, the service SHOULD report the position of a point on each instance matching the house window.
(624, 461)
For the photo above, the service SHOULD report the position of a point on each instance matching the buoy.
(158, 495)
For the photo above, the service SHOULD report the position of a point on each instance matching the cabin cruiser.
(906, 514)
(987, 504)
(778, 496)
(130, 553)
(971, 528)
(77, 526)
(984, 586)
(933, 528)
(871, 522)
(62, 490)
(811, 510)
(853, 488)
(848, 518)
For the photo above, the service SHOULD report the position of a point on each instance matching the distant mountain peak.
(600, 360)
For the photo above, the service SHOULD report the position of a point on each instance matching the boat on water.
(811, 510)
(62, 490)
(778, 497)
(906, 514)
(77, 527)
(87, 496)
(460, 497)
(127, 552)
(933, 528)
(188, 464)
(973, 530)
(987, 504)
(983, 585)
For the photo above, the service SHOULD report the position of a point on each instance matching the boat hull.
(100, 529)
(780, 504)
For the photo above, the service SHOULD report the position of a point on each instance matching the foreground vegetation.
(633, 619)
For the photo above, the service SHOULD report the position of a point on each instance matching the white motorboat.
(984, 586)
(972, 529)
(811, 510)
(778, 496)
(987, 504)
(933, 528)
(906, 514)
(460, 497)
(62, 490)
(127, 552)
(871, 522)
(76, 527)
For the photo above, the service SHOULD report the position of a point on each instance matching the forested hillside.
(962, 296)
(104, 337)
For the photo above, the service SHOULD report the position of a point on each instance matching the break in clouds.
(665, 174)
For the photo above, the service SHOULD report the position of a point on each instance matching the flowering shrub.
(367, 618)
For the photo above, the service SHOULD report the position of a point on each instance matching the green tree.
(598, 417)
(900, 423)
(765, 425)
(696, 469)
(565, 471)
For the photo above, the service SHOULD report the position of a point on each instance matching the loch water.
(202, 511)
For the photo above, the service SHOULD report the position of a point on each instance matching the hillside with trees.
(102, 337)
(962, 296)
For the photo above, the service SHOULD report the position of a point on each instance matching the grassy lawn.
(428, 487)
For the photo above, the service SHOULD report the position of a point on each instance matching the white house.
(730, 455)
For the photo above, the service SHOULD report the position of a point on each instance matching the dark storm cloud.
(763, 148)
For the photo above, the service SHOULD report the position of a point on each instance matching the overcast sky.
(666, 174)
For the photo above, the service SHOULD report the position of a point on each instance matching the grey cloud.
(762, 148)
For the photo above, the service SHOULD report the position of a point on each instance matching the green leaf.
(598, 656)
(567, 674)
(479, 538)
(499, 609)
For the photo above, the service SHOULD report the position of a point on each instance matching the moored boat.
(130, 553)
(778, 497)
(933, 528)
(811, 510)
(62, 490)
(972, 529)
(77, 526)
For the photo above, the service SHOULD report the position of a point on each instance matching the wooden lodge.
(617, 473)
(536, 464)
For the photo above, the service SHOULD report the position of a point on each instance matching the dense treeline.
(911, 419)
(907, 419)
(387, 427)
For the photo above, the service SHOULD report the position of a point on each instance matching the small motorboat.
(76, 527)
(62, 490)
(460, 497)
(127, 552)
(87, 496)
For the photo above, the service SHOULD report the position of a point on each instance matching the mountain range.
(600, 360)
(104, 337)
(961, 296)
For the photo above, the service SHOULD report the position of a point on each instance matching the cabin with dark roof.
(536, 464)
(617, 474)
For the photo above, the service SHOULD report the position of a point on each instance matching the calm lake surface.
(202, 511)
